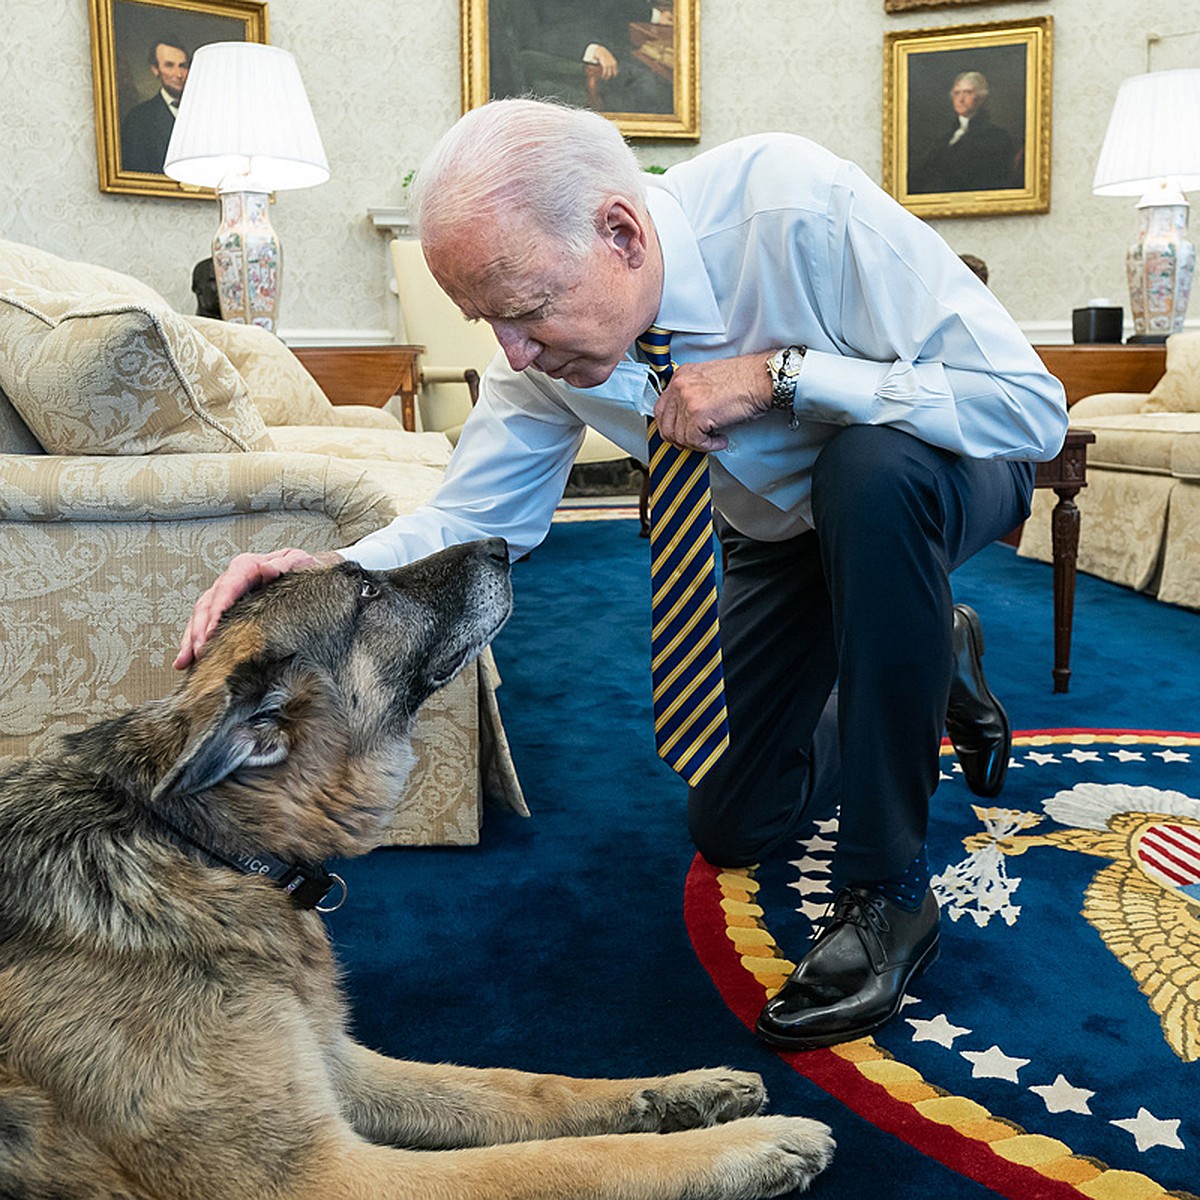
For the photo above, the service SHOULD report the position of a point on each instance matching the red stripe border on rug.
(840, 1077)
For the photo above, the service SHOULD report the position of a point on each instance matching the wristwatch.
(784, 366)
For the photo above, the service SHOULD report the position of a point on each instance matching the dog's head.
(298, 714)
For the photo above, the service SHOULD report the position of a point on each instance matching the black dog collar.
(307, 884)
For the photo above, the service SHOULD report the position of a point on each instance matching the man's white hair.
(551, 163)
(976, 80)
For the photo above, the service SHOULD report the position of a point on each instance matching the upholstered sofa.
(1140, 511)
(140, 449)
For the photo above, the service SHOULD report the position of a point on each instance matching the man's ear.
(623, 227)
(246, 730)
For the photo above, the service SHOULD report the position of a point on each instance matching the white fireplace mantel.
(392, 222)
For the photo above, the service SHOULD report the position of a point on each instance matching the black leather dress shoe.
(854, 978)
(975, 719)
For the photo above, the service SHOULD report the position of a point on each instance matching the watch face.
(785, 363)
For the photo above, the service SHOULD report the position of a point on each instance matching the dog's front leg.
(436, 1107)
(741, 1160)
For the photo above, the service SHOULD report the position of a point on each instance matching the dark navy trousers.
(861, 602)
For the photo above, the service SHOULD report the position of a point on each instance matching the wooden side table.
(1083, 370)
(1086, 369)
(1066, 474)
(366, 374)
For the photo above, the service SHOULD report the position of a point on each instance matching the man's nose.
(519, 348)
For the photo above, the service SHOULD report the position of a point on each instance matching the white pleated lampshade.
(244, 112)
(1153, 135)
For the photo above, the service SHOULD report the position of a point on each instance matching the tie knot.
(655, 348)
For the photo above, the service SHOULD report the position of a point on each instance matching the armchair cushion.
(282, 390)
(1179, 388)
(29, 264)
(103, 375)
(376, 445)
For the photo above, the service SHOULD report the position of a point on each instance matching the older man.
(973, 154)
(868, 416)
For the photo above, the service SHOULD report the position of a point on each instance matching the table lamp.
(1152, 150)
(245, 128)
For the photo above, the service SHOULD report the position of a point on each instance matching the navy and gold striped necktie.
(691, 729)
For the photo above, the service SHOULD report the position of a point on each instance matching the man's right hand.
(245, 572)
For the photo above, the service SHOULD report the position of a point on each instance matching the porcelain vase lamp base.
(1160, 266)
(248, 260)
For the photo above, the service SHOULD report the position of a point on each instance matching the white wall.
(383, 78)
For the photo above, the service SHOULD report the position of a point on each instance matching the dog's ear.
(246, 730)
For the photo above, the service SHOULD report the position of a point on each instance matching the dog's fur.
(173, 1029)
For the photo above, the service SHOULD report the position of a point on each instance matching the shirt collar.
(688, 304)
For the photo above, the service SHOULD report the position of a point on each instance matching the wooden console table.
(366, 374)
(1066, 474)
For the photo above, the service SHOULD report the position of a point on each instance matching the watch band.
(784, 367)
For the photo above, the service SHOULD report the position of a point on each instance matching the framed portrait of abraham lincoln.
(141, 56)
(966, 118)
(635, 61)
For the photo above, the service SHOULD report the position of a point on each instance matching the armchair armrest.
(1106, 404)
(357, 496)
(467, 375)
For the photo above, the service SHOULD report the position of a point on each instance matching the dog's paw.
(774, 1155)
(698, 1098)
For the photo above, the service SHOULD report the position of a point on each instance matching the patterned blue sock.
(908, 888)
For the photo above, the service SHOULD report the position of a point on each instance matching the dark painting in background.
(996, 76)
(999, 120)
(133, 122)
(634, 61)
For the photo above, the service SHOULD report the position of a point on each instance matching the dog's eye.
(368, 590)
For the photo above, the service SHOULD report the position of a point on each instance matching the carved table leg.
(1064, 539)
(1066, 474)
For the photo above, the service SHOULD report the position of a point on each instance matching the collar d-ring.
(328, 908)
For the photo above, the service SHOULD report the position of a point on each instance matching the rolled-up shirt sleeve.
(926, 348)
(504, 479)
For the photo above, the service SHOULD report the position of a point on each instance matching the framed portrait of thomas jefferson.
(635, 61)
(141, 55)
(966, 121)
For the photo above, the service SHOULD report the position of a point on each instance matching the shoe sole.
(783, 1042)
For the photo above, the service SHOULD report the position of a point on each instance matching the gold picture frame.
(647, 81)
(124, 35)
(898, 6)
(1000, 162)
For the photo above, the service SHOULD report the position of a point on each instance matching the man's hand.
(245, 572)
(604, 58)
(705, 398)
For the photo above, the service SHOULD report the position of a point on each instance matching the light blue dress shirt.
(767, 241)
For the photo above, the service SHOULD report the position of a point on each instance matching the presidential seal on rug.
(170, 1019)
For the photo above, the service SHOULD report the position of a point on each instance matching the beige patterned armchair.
(139, 451)
(1140, 511)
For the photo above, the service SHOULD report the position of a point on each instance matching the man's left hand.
(705, 398)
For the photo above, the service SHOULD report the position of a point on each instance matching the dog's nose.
(496, 548)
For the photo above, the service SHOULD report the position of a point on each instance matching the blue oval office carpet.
(1054, 1049)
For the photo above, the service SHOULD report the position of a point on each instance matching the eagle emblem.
(1145, 904)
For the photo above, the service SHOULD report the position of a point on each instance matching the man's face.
(171, 68)
(964, 98)
(571, 319)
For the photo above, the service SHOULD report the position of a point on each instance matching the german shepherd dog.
(170, 1020)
